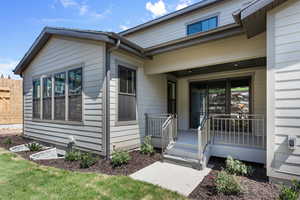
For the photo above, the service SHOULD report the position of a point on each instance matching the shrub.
(87, 160)
(120, 158)
(237, 167)
(7, 141)
(227, 184)
(290, 193)
(146, 147)
(73, 156)
(34, 147)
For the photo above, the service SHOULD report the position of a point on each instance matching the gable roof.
(191, 8)
(47, 32)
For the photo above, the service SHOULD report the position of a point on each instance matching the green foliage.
(290, 193)
(7, 141)
(87, 160)
(146, 147)
(73, 155)
(237, 167)
(120, 158)
(34, 147)
(227, 184)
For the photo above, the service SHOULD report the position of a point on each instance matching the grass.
(22, 179)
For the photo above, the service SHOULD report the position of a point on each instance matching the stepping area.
(170, 176)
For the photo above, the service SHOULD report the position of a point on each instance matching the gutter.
(108, 52)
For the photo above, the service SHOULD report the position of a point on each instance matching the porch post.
(146, 124)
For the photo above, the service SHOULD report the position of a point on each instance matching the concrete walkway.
(170, 176)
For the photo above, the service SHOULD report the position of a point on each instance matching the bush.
(237, 167)
(7, 141)
(120, 158)
(227, 184)
(34, 147)
(146, 147)
(73, 156)
(290, 193)
(87, 160)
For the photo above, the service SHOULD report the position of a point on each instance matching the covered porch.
(213, 111)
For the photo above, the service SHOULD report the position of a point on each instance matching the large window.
(202, 26)
(227, 96)
(127, 94)
(36, 102)
(75, 95)
(47, 98)
(60, 96)
(57, 103)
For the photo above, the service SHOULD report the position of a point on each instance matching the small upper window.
(202, 26)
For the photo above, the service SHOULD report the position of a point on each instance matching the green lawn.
(22, 179)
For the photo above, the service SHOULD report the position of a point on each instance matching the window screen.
(47, 98)
(36, 102)
(75, 94)
(127, 94)
(202, 26)
(59, 96)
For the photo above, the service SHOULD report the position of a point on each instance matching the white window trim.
(129, 66)
(52, 73)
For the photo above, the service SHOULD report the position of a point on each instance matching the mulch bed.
(102, 165)
(256, 187)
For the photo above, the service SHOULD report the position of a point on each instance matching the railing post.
(146, 124)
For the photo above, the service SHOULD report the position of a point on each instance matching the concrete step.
(187, 162)
(183, 152)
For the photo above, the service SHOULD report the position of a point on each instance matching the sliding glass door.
(227, 96)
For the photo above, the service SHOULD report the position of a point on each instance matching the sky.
(21, 21)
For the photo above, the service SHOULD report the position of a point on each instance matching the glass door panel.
(217, 97)
(198, 93)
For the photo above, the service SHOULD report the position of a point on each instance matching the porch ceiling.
(256, 62)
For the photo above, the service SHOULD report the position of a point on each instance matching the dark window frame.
(127, 93)
(38, 99)
(66, 119)
(200, 22)
(227, 94)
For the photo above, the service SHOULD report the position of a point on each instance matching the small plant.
(146, 147)
(290, 193)
(7, 141)
(87, 160)
(34, 147)
(120, 158)
(227, 184)
(236, 167)
(73, 155)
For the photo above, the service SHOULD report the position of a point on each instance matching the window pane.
(47, 93)
(131, 82)
(75, 95)
(240, 96)
(126, 108)
(75, 82)
(194, 28)
(217, 98)
(212, 23)
(123, 76)
(36, 103)
(205, 25)
(59, 96)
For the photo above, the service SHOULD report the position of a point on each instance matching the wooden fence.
(11, 101)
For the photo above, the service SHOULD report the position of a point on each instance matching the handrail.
(203, 136)
(169, 132)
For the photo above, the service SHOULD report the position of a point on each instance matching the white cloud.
(83, 9)
(157, 9)
(124, 27)
(68, 3)
(7, 66)
(183, 3)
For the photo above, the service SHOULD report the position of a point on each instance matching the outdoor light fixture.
(292, 142)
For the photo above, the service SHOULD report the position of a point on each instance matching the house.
(217, 78)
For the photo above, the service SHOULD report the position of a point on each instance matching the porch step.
(187, 162)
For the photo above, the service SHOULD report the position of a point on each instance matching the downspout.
(107, 96)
